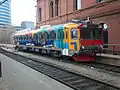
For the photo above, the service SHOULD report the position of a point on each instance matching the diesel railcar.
(81, 41)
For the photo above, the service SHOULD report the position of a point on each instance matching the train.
(80, 41)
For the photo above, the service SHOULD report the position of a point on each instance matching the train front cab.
(83, 41)
(71, 42)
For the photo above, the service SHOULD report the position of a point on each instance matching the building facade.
(63, 11)
(5, 13)
(27, 24)
(17, 28)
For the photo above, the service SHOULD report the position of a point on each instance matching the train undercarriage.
(81, 56)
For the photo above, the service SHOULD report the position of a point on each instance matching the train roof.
(46, 28)
(70, 25)
(26, 31)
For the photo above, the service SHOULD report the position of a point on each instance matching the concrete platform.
(109, 59)
(90, 72)
(17, 76)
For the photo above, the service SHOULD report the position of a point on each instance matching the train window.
(35, 37)
(21, 38)
(73, 33)
(15, 38)
(30, 37)
(59, 35)
(26, 37)
(40, 36)
(66, 35)
(62, 34)
(52, 35)
(45, 35)
(18, 38)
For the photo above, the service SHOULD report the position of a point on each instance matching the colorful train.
(81, 41)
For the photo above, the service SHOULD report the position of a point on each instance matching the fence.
(112, 48)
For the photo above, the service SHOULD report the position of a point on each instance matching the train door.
(74, 42)
(65, 42)
(60, 37)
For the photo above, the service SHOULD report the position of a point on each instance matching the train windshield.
(91, 33)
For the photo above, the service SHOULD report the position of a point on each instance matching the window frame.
(51, 35)
(59, 34)
(99, 1)
(77, 6)
(71, 33)
(51, 6)
(46, 36)
(40, 36)
(40, 14)
(56, 7)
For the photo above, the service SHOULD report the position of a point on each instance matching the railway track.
(75, 81)
(103, 66)
(99, 65)
(95, 64)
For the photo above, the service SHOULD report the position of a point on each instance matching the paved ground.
(17, 76)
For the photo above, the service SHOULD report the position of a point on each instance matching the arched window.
(77, 4)
(56, 7)
(51, 9)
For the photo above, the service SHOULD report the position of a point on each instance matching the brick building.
(100, 11)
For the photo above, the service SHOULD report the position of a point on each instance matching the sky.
(23, 10)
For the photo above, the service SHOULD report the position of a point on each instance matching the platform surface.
(17, 76)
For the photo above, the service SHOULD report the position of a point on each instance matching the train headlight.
(82, 47)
